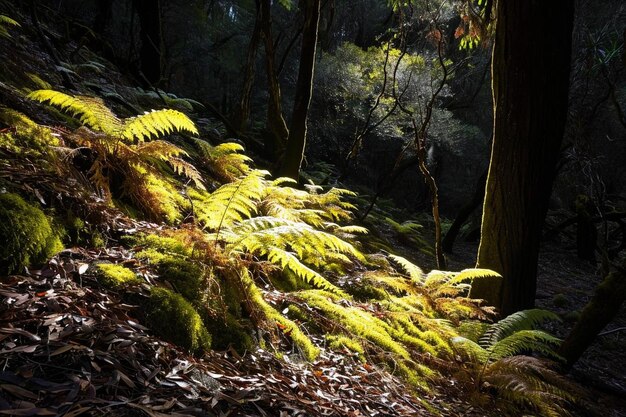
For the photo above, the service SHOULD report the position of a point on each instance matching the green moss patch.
(116, 276)
(174, 319)
(27, 235)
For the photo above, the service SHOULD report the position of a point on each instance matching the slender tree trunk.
(242, 115)
(464, 213)
(275, 121)
(149, 13)
(304, 88)
(530, 80)
(603, 307)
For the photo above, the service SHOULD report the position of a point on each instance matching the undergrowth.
(255, 261)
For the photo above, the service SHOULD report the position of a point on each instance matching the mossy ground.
(116, 276)
(174, 319)
(28, 235)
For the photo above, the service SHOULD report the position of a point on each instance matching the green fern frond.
(91, 111)
(225, 161)
(157, 123)
(286, 259)
(231, 202)
(526, 341)
(521, 320)
(4, 22)
(415, 272)
(468, 275)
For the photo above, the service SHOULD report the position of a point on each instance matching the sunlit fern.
(497, 360)
(225, 162)
(446, 291)
(5, 22)
(122, 152)
(93, 113)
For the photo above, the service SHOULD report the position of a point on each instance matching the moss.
(165, 244)
(174, 319)
(560, 300)
(116, 276)
(308, 350)
(341, 342)
(185, 275)
(230, 332)
(27, 235)
(29, 138)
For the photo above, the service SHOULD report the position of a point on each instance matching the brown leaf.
(19, 391)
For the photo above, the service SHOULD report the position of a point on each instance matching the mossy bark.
(530, 81)
(603, 307)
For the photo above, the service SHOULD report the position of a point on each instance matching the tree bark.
(530, 80)
(304, 88)
(240, 118)
(603, 307)
(275, 121)
(149, 13)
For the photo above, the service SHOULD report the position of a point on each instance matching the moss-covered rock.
(230, 332)
(116, 276)
(174, 319)
(27, 235)
(185, 275)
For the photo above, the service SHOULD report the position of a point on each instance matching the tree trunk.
(149, 13)
(530, 80)
(304, 87)
(603, 307)
(240, 118)
(275, 121)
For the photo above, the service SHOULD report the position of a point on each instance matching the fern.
(6, 21)
(522, 320)
(93, 113)
(231, 202)
(122, 151)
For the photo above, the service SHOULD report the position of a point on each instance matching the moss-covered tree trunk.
(149, 13)
(242, 114)
(304, 88)
(603, 307)
(275, 121)
(530, 81)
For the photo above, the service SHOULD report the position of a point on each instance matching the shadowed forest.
(313, 208)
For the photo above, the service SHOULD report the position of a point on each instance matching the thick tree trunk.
(304, 88)
(275, 120)
(603, 307)
(530, 80)
(241, 116)
(149, 13)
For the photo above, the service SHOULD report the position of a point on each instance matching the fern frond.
(286, 259)
(521, 320)
(91, 111)
(4, 22)
(231, 202)
(156, 123)
(526, 341)
(415, 272)
(169, 152)
(470, 274)
(225, 161)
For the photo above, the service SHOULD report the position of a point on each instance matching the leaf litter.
(71, 350)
